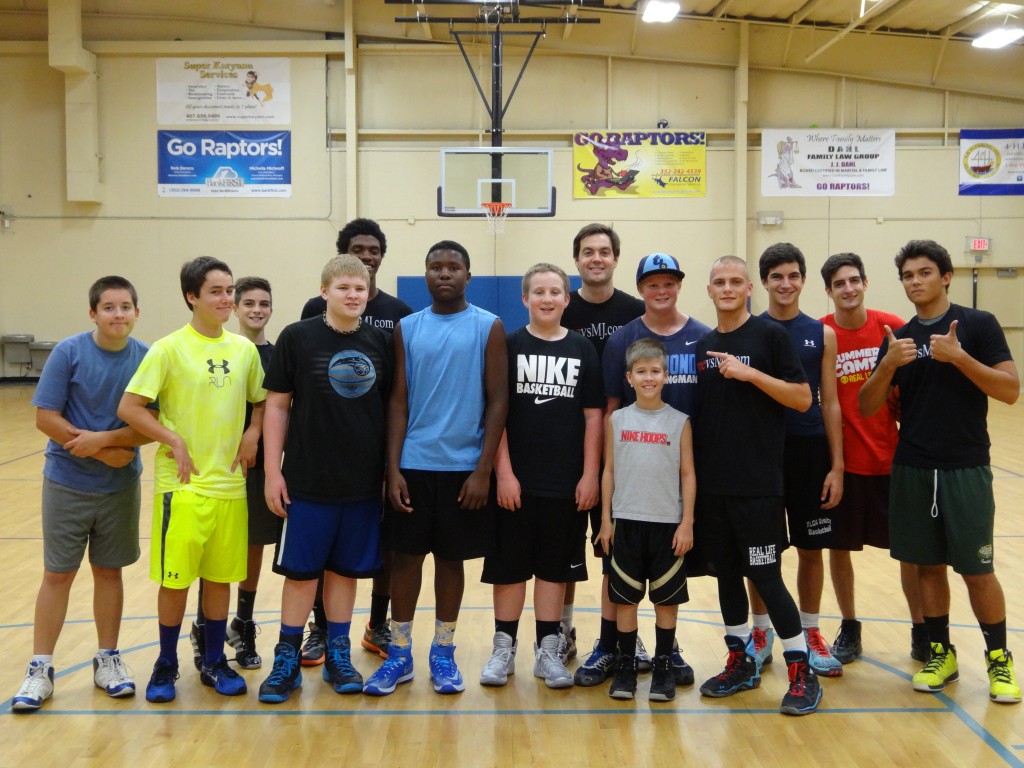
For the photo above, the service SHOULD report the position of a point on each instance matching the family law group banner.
(828, 163)
(992, 162)
(637, 164)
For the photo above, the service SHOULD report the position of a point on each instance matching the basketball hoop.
(496, 214)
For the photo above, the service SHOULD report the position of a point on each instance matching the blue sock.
(337, 629)
(169, 643)
(291, 635)
(216, 629)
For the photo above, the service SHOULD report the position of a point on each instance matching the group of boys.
(649, 404)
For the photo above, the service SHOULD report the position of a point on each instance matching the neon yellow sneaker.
(940, 670)
(1002, 683)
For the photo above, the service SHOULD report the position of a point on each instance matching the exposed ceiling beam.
(884, 5)
(896, 10)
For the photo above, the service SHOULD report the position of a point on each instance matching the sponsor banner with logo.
(831, 162)
(992, 162)
(636, 164)
(227, 91)
(224, 163)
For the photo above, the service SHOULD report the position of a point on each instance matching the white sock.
(797, 643)
(44, 658)
(742, 631)
(809, 620)
(567, 616)
(761, 620)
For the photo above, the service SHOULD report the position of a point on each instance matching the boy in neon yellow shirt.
(201, 376)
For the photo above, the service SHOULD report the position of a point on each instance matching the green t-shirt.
(202, 386)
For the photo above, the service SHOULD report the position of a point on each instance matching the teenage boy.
(546, 481)
(202, 376)
(650, 483)
(446, 416)
(862, 516)
(253, 308)
(748, 375)
(659, 279)
(90, 486)
(596, 311)
(941, 505)
(812, 464)
(364, 239)
(329, 377)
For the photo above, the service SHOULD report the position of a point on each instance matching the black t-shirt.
(382, 311)
(550, 383)
(741, 432)
(266, 352)
(599, 321)
(334, 449)
(943, 416)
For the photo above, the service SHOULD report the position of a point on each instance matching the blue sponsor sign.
(992, 162)
(224, 163)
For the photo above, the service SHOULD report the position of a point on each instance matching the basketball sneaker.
(682, 673)
(624, 682)
(763, 639)
(338, 669)
(1002, 683)
(663, 681)
(940, 669)
(847, 646)
(804, 692)
(566, 643)
(35, 689)
(160, 688)
(377, 639)
(197, 639)
(241, 636)
(819, 656)
(643, 658)
(920, 648)
(598, 667)
(222, 678)
(285, 676)
(111, 674)
(548, 666)
(397, 668)
(740, 673)
(444, 672)
(502, 662)
(315, 648)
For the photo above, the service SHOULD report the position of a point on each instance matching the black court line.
(20, 458)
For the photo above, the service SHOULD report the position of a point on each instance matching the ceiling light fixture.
(999, 38)
(659, 10)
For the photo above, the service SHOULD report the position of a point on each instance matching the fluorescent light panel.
(660, 11)
(999, 38)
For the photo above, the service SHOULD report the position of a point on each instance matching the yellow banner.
(635, 164)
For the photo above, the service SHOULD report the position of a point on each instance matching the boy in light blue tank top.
(445, 418)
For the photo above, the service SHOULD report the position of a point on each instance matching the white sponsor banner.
(830, 162)
(221, 91)
(992, 162)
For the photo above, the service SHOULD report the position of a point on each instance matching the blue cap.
(657, 263)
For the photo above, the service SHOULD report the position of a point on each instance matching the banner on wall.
(992, 162)
(828, 163)
(223, 91)
(224, 163)
(639, 164)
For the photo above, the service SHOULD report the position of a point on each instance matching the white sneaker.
(566, 643)
(112, 675)
(502, 662)
(643, 658)
(548, 666)
(36, 689)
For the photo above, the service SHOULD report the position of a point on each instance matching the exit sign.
(979, 244)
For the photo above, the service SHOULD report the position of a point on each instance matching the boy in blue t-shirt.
(90, 486)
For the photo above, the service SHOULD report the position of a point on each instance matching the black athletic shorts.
(744, 534)
(437, 524)
(805, 463)
(641, 554)
(545, 537)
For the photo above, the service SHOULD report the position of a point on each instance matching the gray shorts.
(107, 522)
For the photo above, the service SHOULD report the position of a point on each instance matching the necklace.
(359, 322)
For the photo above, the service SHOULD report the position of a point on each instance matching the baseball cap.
(656, 263)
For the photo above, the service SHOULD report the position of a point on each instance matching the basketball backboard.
(473, 176)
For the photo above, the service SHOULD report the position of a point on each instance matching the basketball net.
(496, 214)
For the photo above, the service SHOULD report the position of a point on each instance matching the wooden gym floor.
(869, 717)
